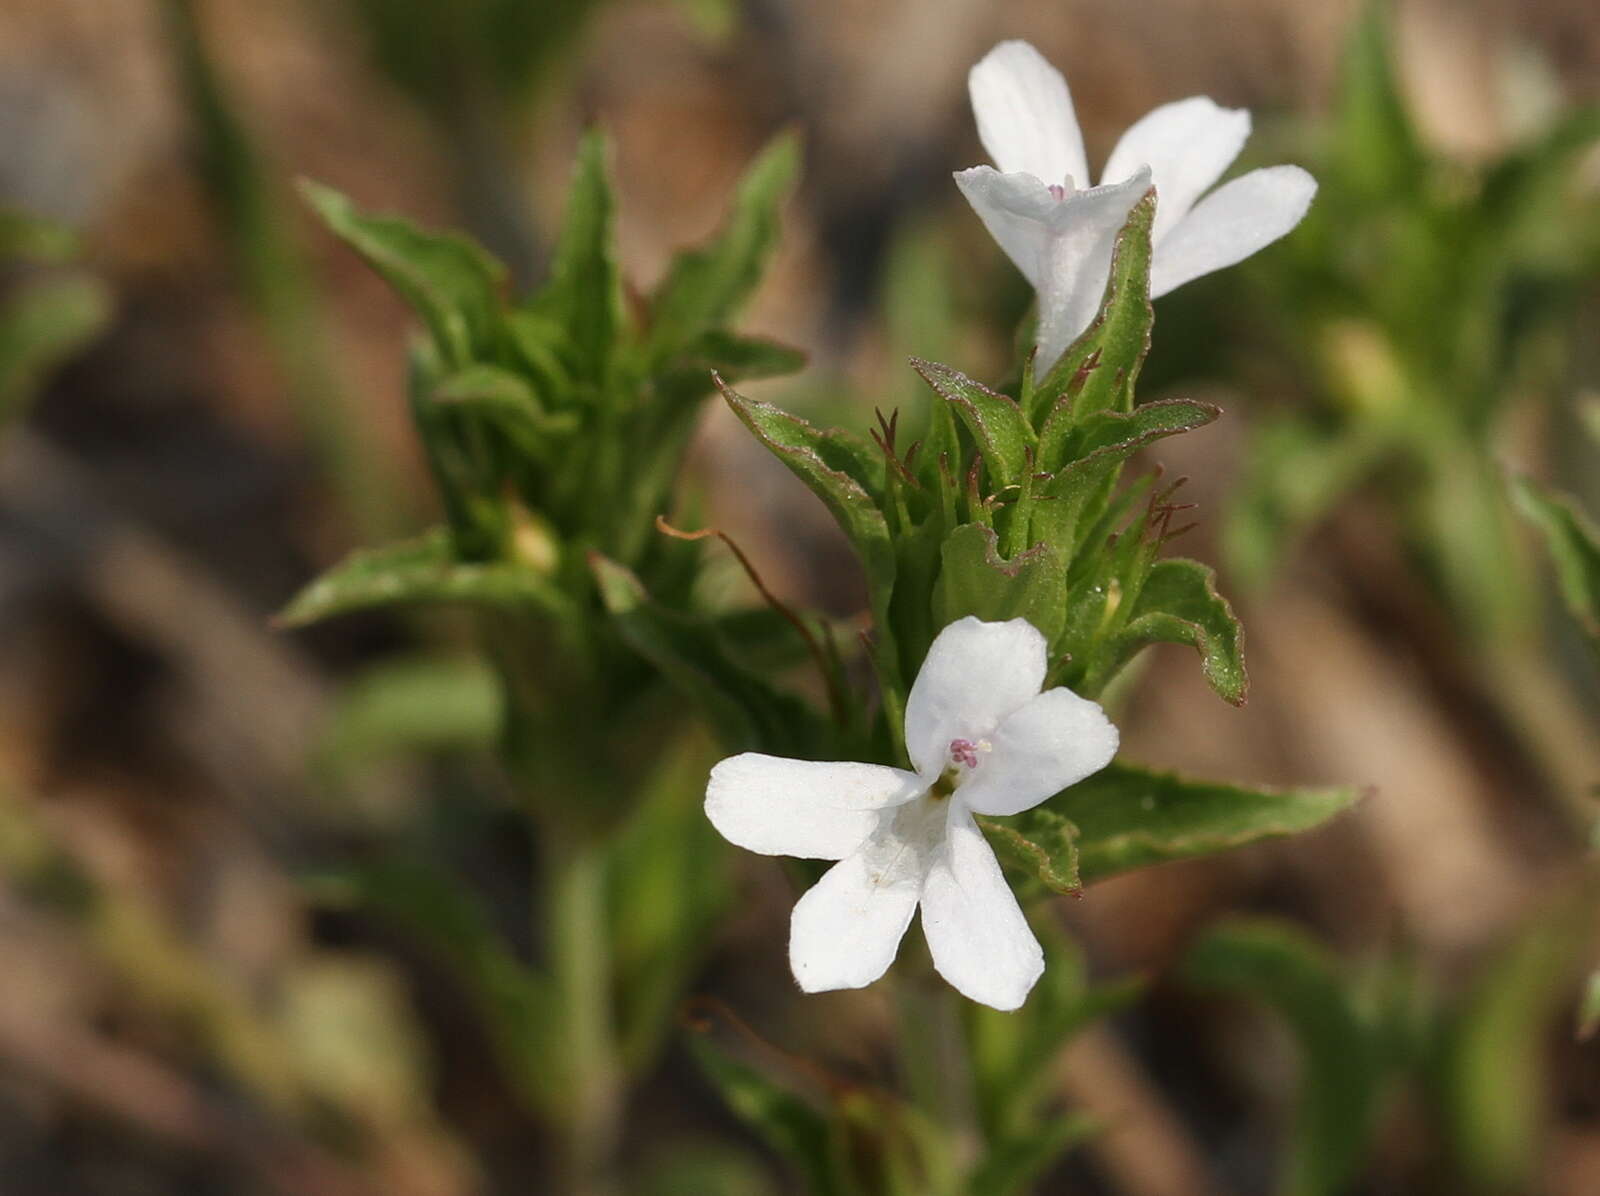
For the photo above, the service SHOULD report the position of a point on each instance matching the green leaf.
(1044, 851)
(785, 1122)
(1099, 369)
(1014, 1164)
(447, 918)
(1014, 1057)
(449, 280)
(510, 403)
(1066, 440)
(975, 580)
(1179, 604)
(584, 294)
(995, 421)
(739, 358)
(1573, 543)
(1108, 440)
(669, 879)
(1342, 1065)
(411, 704)
(1376, 145)
(1130, 817)
(1524, 190)
(1492, 1076)
(692, 375)
(41, 326)
(704, 287)
(747, 713)
(844, 473)
(538, 341)
(423, 570)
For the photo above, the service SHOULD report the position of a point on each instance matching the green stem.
(580, 961)
(935, 1065)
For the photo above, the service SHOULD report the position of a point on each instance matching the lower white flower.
(1036, 202)
(983, 739)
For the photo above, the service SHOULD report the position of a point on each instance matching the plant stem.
(581, 964)
(934, 1063)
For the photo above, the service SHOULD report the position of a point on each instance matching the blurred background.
(202, 405)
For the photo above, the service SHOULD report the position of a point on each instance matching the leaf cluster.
(555, 425)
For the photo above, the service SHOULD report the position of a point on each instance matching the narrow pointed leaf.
(840, 470)
(1044, 852)
(995, 421)
(1013, 1165)
(789, 1125)
(1086, 482)
(508, 401)
(732, 358)
(706, 286)
(449, 280)
(1573, 543)
(1014, 1059)
(1130, 817)
(738, 358)
(1375, 143)
(1493, 1076)
(584, 294)
(423, 570)
(1342, 1067)
(1179, 604)
(1065, 439)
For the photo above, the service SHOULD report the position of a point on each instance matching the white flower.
(1061, 237)
(983, 740)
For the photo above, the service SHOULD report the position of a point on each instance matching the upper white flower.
(1061, 237)
(983, 740)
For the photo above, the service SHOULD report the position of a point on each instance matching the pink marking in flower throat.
(1057, 191)
(965, 752)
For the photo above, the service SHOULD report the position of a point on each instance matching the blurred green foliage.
(1420, 302)
(1479, 1062)
(50, 311)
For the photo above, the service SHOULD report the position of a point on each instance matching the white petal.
(820, 811)
(1025, 116)
(1187, 145)
(1231, 223)
(974, 675)
(977, 935)
(1016, 209)
(1054, 741)
(845, 931)
(1077, 262)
